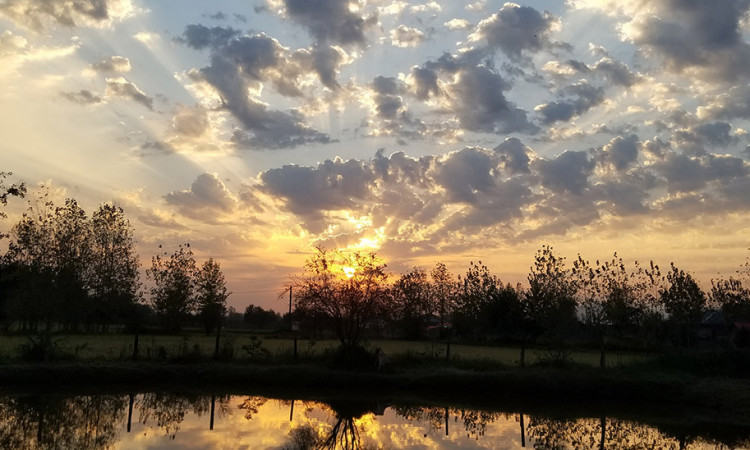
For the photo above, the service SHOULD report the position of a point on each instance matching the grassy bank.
(510, 387)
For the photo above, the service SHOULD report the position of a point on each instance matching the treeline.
(67, 271)
(583, 303)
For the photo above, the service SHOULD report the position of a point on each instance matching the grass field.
(116, 346)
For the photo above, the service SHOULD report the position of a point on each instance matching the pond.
(195, 421)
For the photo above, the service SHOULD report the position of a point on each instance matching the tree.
(114, 278)
(173, 293)
(349, 289)
(683, 300)
(613, 299)
(550, 302)
(258, 318)
(211, 294)
(412, 301)
(443, 290)
(14, 190)
(732, 295)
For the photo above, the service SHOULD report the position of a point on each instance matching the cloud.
(120, 87)
(465, 174)
(585, 97)
(516, 29)
(237, 68)
(728, 105)
(403, 36)
(620, 152)
(38, 15)
(199, 36)
(12, 44)
(514, 156)
(457, 24)
(190, 122)
(568, 172)
(329, 21)
(480, 105)
(423, 82)
(308, 192)
(82, 97)
(706, 37)
(113, 64)
(206, 199)
(388, 102)
(685, 173)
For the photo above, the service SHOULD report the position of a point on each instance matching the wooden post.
(290, 307)
(130, 411)
(604, 428)
(446, 421)
(291, 411)
(523, 433)
(213, 405)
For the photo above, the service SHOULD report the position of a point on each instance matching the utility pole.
(290, 307)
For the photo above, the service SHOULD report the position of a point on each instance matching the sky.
(423, 131)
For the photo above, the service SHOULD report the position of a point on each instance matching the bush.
(44, 348)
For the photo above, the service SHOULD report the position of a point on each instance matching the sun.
(349, 271)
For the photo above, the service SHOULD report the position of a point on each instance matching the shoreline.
(717, 398)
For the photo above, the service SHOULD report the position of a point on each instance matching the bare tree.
(348, 288)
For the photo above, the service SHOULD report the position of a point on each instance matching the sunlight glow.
(348, 271)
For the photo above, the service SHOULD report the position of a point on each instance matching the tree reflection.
(170, 410)
(88, 422)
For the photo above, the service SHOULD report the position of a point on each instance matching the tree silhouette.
(683, 300)
(349, 289)
(550, 301)
(173, 293)
(412, 301)
(114, 278)
(211, 294)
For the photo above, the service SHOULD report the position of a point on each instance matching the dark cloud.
(480, 104)
(733, 104)
(569, 172)
(620, 152)
(206, 198)
(616, 72)
(242, 63)
(465, 174)
(326, 62)
(684, 173)
(626, 196)
(425, 82)
(308, 192)
(388, 102)
(515, 29)
(200, 36)
(328, 21)
(120, 87)
(82, 97)
(707, 35)
(514, 156)
(584, 97)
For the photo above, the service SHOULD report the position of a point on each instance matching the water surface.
(193, 421)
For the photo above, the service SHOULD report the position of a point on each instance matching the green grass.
(116, 346)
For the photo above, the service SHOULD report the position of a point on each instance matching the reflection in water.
(211, 421)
